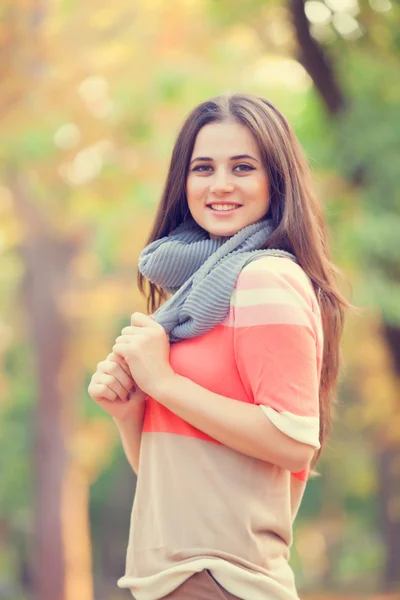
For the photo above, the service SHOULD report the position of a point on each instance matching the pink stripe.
(278, 367)
(302, 403)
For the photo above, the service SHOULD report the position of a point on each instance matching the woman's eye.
(248, 168)
(201, 167)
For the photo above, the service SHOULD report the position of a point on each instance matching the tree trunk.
(388, 462)
(60, 571)
(389, 489)
(62, 552)
(45, 263)
(316, 62)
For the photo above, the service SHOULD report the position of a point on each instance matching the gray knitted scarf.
(201, 273)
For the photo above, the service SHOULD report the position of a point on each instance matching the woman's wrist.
(135, 414)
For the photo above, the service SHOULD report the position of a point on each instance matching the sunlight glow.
(347, 26)
(348, 6)
(323, 34)
(93, 88)
(380, 5)
(277, 71)
(88, 163)
(67, 136)
(94, 92)
(317, 12)
(86, 166)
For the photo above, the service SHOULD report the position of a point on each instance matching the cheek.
(261, 183)
(261, 190)
(194, 189)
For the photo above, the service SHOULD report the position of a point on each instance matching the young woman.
(227, 388)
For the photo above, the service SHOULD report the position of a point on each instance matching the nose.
(221, 182)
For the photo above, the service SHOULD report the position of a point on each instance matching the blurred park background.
(92, 95)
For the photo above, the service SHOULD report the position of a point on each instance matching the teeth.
(223, 206)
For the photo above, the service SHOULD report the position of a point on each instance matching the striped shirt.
(202, 505)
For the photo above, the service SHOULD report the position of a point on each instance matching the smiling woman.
(226, 170)
(238, 394)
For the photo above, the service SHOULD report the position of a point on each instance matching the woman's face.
(225, 169)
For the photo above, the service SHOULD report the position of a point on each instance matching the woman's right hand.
(114, 389)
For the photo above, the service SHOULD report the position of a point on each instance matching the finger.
(100, 391)
(124, 339)
(113, 384)
(121, 349)
(113, 368)
(129, 339)
(142, 320)
(120, 361)
(131, 330)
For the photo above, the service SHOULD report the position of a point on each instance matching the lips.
(223, 213)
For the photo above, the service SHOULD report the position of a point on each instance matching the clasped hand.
(145, 347)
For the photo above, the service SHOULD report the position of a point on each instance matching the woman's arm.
(130, 431)
(239, 425)
(276, 346)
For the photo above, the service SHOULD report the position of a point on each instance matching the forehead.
(225, 139)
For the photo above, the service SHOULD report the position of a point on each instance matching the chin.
(228, 228)
(224, 233)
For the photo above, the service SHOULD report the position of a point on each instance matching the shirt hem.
(249, 585)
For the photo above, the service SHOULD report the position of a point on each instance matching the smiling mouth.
(231, 208)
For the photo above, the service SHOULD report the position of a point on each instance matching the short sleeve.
(278, 344)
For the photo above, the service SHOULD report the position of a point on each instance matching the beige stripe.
(255, 297)
(298, 427)
(201, 505)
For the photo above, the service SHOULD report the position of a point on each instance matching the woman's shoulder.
(273, 289)
(279, 273)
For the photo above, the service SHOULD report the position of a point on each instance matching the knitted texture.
(201, 273)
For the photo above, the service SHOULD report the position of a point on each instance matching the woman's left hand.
(145, 347)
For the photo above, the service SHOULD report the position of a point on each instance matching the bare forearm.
(130, 431)
(239, 425)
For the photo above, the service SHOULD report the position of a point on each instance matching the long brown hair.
(295, 211)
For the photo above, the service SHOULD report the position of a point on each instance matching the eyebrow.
(237, 157)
